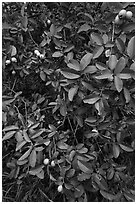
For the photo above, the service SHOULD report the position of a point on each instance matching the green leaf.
(70, 173)
(22, 162)
(36, 170)
(90, 69)
(91, 119)
(129, 196)
(41, 174)
(37, 133)
(82, 150)
(125, 148)
(131, 48)
(42, 76)
(112, 62)
(24, 22)
(101, 66)
(116, 150)
(87, 86)
(91, 100)
(8, 135)
(11, 127)
(13, 51)
(99, 107)
(19, 136)
(26, 154)
(98, 51)
(62, 145)
(106, 74)
(120, 65)
(25, 135)
(85, 167)
(85, 61)
(20, 145)
(52, 29)
(107, 195)
(118, 83)
(69, 48)
(84, 27)
(97, 38)
(83, 176)
(32, 158)
(70, 75)
(129, 27)
(120, 45)
(127, 95)
(124, 76)
(72, 92)
(57, 54)
(73, 64)
(110, 173)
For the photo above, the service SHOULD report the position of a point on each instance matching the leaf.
(32, 158)
(91, 100)
(19, 136)
(25, 135)
(120, 45)
(42, 76)
(37, 133)
(87, 86)
(98, 51)
(99, 107)
(41, 174)
(69, 48)
(129, 27)
(118, 83)
(70, 173)
(22, 162)
(90, 69)
(20, 145)
(110, 173)
(52, 29)
(85, 61)
(82, 150)
(97, 38)
(24, 22)
(125, 148)
(106, 74)
(57, 54)
(11, 127)
(13, 51)
(83, 177)
(36, 170)
(62, 145)
(26, 154)
(124, 76)
(70, 75)
(107, 195)
(127, 95)
(91, 120)
(85, 167)
(101, 66)
(129, 196)
(112, 62)
(84, 27)
(116, 151)
(120, 65)
(73, 64)
(63, 110)
(72, 92)
(131, 48)
(8, 135)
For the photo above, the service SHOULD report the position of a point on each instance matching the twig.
(32, 38)
(45, 195)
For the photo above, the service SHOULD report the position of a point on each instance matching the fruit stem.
(113, 31)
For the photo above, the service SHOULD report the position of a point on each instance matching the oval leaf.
(32, 158)
(86, 59)
(70, 75)
(127, 95)
(91, 100)
(20, 145)
(85, 167)
(11, 127)
(125, 148)
(116, 151)
(57, 54)
(26, 154)
(72, 92)
(101, 66)
(131, 48)
(90, 69)
(107, 195)
(120, 45)
(73, 64)
(84, 27)
(118, 83)
(112, 62)
(97, 38)
(120, 65)
(13, 51)
(8, 135)
(36, 170)
(97, 52)
(37, 133)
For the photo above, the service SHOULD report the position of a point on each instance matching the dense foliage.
(68, 101)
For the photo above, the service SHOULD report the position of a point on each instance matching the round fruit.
(36, 52)
(41, 56)
(48, 22)
(94, 131)
(118, 21)
(122, 13)
(53, 163)
(8, 62)
(13, 72)
(46, 161)
(129, 14)
(13, 59)
(60, 188)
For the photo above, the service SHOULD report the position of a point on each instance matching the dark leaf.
(118, 83)
(97, 38)
(85, 61)
(98, 51)
(131, 48)
(72, 92)
(70, 75)
(112, 62)
(74, 64)
(120, 45)
(84, 27)
(125, 148)
(8, 135)
(116, 150)
(90, 69)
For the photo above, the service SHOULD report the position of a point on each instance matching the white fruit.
(122, 13)
(13, 72)
(41, 56)
(48, 21)
(94, 131)
(60, 188)
(53, 163)
(46, 161)
(36, 52)
(13, 59)
(129, 14)
(8, 62)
